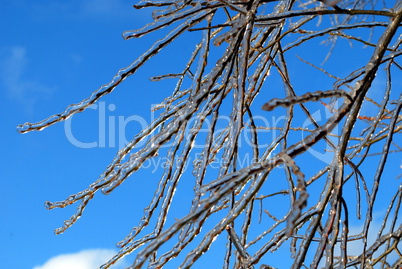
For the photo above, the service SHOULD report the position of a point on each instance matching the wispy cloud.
(13, 65)
(355, 248)
(85, 259)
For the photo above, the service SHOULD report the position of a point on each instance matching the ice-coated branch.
(308, 97)
(217, 112)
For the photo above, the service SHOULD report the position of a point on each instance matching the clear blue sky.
(52, 54)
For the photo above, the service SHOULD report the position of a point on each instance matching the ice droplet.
(48, 205)
(26, 127)
(22, 128)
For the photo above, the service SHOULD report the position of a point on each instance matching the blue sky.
(52, 54)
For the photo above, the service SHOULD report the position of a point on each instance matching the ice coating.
(117, 79)
(310, 97)
(253, 39)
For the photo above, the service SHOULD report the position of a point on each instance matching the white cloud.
(355, 248)
(85, 259)
(13, 64)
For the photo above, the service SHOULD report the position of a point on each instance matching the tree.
(308, 165)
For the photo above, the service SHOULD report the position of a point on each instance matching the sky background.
(52, 54)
